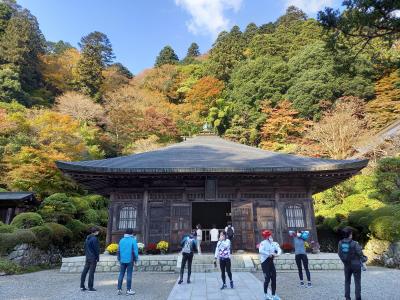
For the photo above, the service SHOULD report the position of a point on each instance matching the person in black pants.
(92, 253)
(299, 239)
(223, 253)
(268, 250)
(350, 252)
(188, 245)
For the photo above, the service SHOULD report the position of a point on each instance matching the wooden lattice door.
(159, 225)
(242, 221)
(181, 216)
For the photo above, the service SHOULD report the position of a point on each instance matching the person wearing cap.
(299, 239)
(268, 250)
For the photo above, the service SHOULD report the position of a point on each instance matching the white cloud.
(310, 6)
(208, 16)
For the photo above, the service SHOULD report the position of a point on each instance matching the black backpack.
(346, 251)
(229, 232)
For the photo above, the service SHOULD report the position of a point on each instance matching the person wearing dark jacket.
(188, 244)
(350, 252)
(92, 253)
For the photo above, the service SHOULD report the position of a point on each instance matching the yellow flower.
(162, 246)
(112, 248)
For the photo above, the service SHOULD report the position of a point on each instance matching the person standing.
(128, 254)
(188, 244)
(223, 254)
(268, 250)
(351, 255)
(214, 237)
(92, 253)
(199, 236)
(230, 233)
(299, 239)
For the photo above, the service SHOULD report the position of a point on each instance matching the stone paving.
(206, 286)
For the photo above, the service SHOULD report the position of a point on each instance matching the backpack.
(346, 251)
(187, 246)
(229, 232)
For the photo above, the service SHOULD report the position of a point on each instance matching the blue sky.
(138, 29)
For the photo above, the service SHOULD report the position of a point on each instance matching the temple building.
(207, 180)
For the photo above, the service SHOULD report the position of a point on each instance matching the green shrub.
(43, 236)
(388, 178)
(9, 267)
(5, 228)
(386, 228)
(57, 208)
(90, 217)
(27, 220)
(81, 204)
(96, 201)
(9, 240)
(103, 217)
(79, 230)
(61, 235)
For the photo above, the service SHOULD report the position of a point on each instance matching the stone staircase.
(205, 263)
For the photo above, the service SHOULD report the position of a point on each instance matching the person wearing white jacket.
(223, 254)
(268, 250)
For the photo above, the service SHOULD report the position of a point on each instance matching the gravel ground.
(376, 283)
(46, 285)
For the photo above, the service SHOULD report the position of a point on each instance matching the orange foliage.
(282, 125)
(385, 108)
(203, 94)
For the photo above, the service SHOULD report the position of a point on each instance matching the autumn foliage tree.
(283, 127)
(340, 129)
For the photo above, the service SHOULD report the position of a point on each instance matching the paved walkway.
(206, 286)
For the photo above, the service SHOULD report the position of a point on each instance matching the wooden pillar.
(312, 214)
(145, 223)
(278, 216)
(110, 220)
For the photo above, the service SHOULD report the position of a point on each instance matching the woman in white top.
(199, 234)
(268, 251)
(223, 254)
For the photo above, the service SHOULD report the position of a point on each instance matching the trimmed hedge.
(27, 220)
(5, 228)
(78, 229)
(58, 208)
(61, 235)
(9, 240)
(386, 228)
(90, 217)
(43, 236)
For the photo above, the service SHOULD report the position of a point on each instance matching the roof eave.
(69, 167)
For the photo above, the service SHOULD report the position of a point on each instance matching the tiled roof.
(210, 154)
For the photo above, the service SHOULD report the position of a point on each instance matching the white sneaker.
(275, 298)
(267, 297)
(130, 292)
(119, 292)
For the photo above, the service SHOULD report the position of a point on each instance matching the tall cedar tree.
(97, 53)
(226, 53)
(21, 42)
(167, 56)
(193, 50)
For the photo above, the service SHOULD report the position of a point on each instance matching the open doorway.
(209, 213)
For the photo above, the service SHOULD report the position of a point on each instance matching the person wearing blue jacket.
(128, 254)
(92, 253)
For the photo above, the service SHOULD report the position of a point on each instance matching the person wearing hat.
(299, 239)
(268, 250)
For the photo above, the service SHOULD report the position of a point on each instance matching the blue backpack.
(346, 251)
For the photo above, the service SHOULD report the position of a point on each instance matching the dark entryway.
(209, 213)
